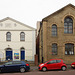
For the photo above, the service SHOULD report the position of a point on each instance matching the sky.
(30, 11)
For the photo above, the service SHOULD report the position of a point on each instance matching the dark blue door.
(8, 55)
(22, 55)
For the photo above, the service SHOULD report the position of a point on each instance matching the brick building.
(57, 35)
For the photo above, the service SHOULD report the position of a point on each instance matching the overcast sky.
(30, 11)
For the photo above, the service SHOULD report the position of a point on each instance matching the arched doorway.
(9, 55)
(22, 53)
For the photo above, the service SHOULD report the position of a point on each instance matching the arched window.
(54, 49)
(8, 36)
(69, 49)
(22, 36)
(54, 30)
(68, 25)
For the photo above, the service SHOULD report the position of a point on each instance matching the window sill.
(66, 34)
(69, 55)
(54, 54)
(8, 41)
(22, 41)
(54, 36)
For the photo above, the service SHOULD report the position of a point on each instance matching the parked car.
(53, 64)
(73, 65)
(15, 66)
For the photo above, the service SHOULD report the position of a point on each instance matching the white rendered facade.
(15, 28)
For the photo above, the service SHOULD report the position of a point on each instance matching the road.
(35, 72)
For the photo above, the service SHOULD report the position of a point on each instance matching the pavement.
(34, 68)
(36, 72)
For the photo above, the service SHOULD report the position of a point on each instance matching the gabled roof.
(8, 18)
(69, 5)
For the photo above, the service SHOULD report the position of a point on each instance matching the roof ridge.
(59, 10)
(17, 22)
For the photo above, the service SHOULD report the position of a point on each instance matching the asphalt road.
(35, 72)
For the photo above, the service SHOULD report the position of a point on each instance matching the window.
(22, 36)
(54, 49)
(8, 36)
(8, 63)
(16, 62)
(54, 30)
(51, 62)
(69, 49)
(68, 25)
(58, 61)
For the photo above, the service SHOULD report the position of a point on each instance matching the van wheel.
(22, 70)
(63, 68)
(44, 69)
